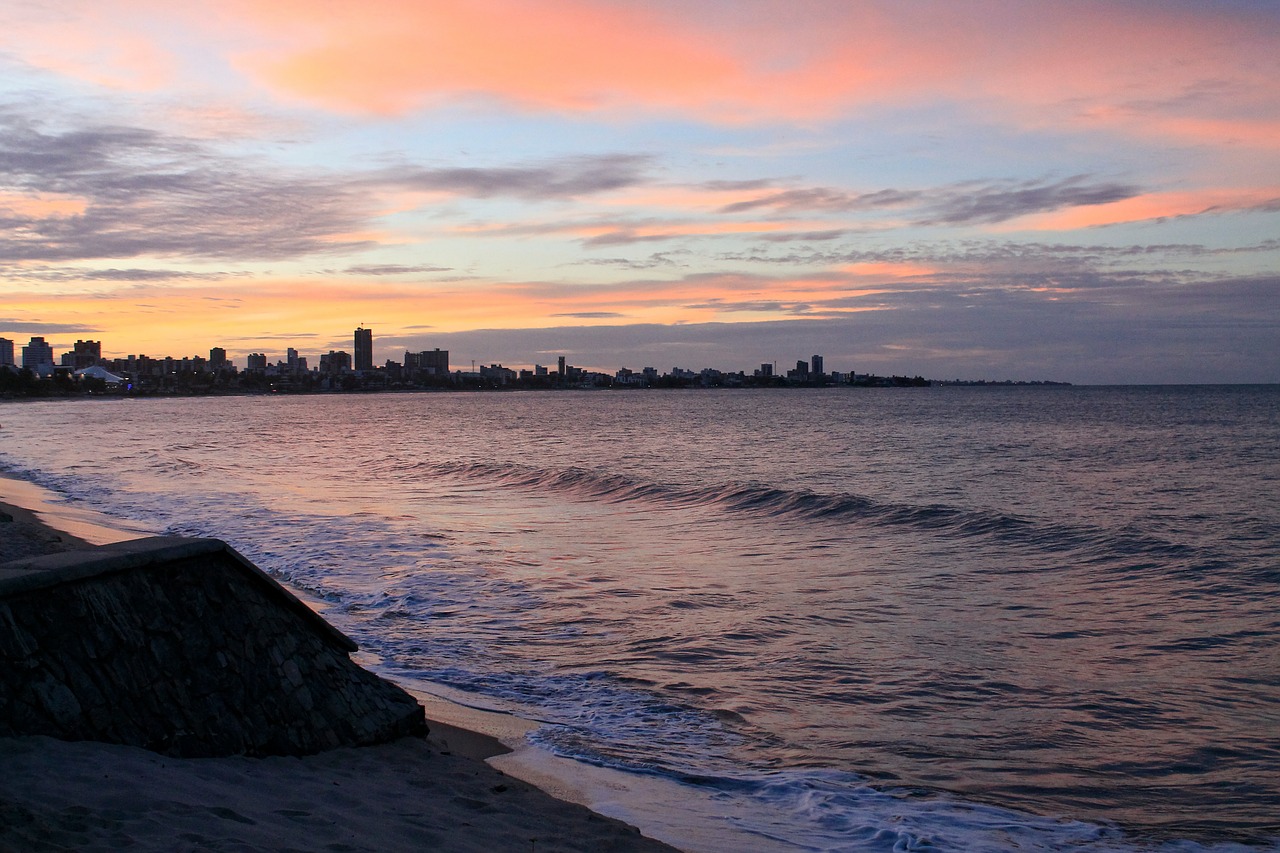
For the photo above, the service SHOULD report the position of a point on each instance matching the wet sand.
(411, 795)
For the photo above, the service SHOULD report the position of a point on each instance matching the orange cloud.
(1136, 68)
(269, 315)
(109, 45)
(1150, 206)
(753, 61)
(42, 205)
(389, 56)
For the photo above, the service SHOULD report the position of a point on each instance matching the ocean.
(991, 618)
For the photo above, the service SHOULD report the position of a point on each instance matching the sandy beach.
(410, 795)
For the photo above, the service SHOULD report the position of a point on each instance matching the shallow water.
(844, 618)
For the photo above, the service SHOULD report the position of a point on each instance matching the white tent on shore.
(102, 373)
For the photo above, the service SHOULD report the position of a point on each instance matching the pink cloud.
(1039, 63)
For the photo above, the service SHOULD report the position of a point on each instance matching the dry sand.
(411, 795)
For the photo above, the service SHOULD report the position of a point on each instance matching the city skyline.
(1083, 192)
(89, 353)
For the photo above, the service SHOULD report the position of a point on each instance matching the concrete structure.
(84, 354)
(37, 353)
(6, 352)
(364, 349)
(183, 647)
(336, 361)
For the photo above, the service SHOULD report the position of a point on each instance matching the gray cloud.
(825, 199)
(392, 269)
(627, 237)
(657, 259)
(9, 326)
(560, 179)
(998, 256)
(64, 274)
(998, 202)
(591, 315)
(964, 204)
(756, 307)
(737, 186)
(804, 236)
(1130, 330)
(147, 193)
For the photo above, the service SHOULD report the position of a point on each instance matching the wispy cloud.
(565, 178)
(971, 203)
(146, 193)
(392, 269)
(37, 327)
(1001, 201)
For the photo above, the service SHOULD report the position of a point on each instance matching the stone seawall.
(184, 647)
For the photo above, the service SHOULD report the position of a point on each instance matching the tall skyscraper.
(217, 358)
(36, 353)
(6, 352)
(816, 368)
(364, 349)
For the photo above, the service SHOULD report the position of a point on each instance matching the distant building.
(335, 361)
(6, 353)
(497, 372)
(766, 370)
(816, 368)
(257, 361)
(36, 354)
(364, 349)
(291, 359)
(434, 362)
(563, 369)
(85, 354)
(217, 358)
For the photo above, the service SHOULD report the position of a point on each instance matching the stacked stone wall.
(184, 649)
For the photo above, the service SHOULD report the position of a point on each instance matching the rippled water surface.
(847, 611)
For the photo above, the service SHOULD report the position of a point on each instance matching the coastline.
(452, 791)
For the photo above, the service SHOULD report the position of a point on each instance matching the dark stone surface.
(182, 647)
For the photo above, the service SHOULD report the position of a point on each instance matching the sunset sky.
(1080, 191)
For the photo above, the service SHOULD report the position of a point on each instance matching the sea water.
(836, 619)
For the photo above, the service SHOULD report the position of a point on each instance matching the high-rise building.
(36, 353)
(335, 362)
(217, 358)
(6, 352)
(257, 361)
(291, 358)
(816, 369)
(85, 354)
(364, 349)
(434, 362)
(563, 368)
